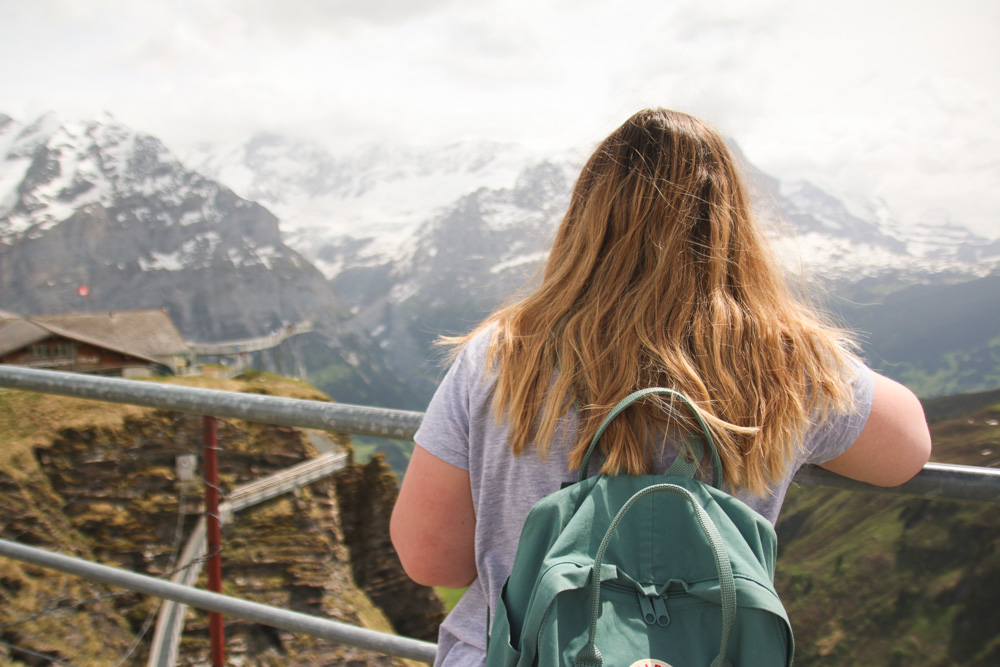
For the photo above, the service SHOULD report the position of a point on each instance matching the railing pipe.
(378, 422)
(937, 480)
(404, 647)
(213, 521)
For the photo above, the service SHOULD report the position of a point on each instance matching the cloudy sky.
(895, 99)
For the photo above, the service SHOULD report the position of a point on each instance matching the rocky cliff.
(108, 491)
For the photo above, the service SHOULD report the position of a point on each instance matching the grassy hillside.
(874, 580)
(935, 339)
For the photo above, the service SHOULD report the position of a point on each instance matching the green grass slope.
(935, 339)
(872, 579)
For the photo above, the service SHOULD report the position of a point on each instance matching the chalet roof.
(142, 333)
(18, 333)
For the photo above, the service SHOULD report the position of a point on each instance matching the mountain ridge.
(95, 204)
(385, 248)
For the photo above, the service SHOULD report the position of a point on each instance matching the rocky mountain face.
(96, 204)
(107, 489)
(363, 208)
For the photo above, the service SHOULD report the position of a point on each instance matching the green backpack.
(651, 571)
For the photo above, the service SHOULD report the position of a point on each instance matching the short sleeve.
(444, 431)
(835, 435)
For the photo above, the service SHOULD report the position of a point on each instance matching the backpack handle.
(589, 654)
(642, 393)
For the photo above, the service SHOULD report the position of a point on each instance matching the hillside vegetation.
(872, 579)
(936, 339)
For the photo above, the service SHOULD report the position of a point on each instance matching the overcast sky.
(895, 99)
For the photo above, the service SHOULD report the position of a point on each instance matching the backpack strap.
(685, 468)
(689, 457)
(589, 655)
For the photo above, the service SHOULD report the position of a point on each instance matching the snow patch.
(266, 254)
(12, 172)
(403, 292)
(162, 262)
(521, 260)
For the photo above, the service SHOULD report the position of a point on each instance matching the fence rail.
(938, 481)
(403, 647)
(339, 417)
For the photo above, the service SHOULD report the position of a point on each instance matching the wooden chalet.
(125, 343)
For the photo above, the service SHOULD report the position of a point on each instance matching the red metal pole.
(213, 525)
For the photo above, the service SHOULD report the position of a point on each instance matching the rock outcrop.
(112, 495)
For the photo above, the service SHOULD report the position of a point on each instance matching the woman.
(659, 276)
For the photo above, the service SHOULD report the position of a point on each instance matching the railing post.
(213, 525)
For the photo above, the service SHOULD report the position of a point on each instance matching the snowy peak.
(130, 184)
(52, 169)
(830, 240)
(378, 205)
(95, 203)
(373, 200)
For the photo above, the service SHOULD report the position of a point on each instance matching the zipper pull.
(648, 614)
(662, 617)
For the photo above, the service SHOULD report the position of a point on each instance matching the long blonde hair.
(659, 275)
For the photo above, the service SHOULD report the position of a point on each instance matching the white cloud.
(893, 99)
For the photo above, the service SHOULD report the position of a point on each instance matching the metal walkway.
(170, 620)
(232, 347)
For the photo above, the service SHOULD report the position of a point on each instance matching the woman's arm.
(894, 444)
(433, 524)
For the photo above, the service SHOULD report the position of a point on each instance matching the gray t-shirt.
(459, 428)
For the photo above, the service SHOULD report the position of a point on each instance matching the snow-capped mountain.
(374, 207)
(97, 204)
(94, 203)
(414, 242)
(820, 236)
(362, 209)
(421, 243)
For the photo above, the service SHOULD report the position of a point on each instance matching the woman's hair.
(659, 275)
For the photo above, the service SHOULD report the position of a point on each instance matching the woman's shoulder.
(473, 352)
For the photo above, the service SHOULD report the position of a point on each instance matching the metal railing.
(232, 347)
(938, 481)
(339, 417)
(402, 647)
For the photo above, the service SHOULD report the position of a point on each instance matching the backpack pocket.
(501, 652)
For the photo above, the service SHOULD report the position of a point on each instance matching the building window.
(38, 352)
(64, 350)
